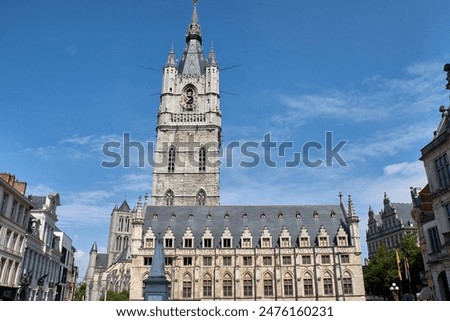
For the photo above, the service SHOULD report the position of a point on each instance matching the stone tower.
(186, 170)
(119, 231)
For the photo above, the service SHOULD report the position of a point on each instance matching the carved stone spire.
(193, 61)
(171, 59)
(194, 27)
(212, 58)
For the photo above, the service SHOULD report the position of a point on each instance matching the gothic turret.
(136, 232)
(352, 221)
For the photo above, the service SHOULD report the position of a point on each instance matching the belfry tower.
(186, 170)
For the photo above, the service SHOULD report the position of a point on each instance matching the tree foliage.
(80, 293)
(382, 269)
(381, 272)
(117, 296)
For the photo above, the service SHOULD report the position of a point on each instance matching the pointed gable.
(124, 207)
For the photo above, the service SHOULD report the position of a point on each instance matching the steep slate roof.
(124, 207)
(124, 256)
(102, 260)
(236, 223)
(404, 212)
(38, 201)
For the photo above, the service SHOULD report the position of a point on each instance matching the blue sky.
(370, 72)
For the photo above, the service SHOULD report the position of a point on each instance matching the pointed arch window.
(248, 285)
(308, 288)
(347, 283)
(168, 197)
(201, 197)
(227, 286)
(171, 159)
(268, 285)
(127, 224)
(120, 223)
(187, 287)
(207, 286)
(202, 159)
(288, 285)
(118, 243)
(327, 284)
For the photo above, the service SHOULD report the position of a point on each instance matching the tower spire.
(194, 30)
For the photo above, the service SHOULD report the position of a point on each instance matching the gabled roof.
(124, 207)
(124, 256)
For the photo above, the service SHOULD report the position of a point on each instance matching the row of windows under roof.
(263, 242)
(244, 216)
(246, 239)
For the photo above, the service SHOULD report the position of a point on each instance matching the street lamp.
(394, 289)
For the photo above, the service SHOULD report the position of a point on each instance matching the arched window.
(288, 285)
(202, 159)
(120, 223)
(171, 159)
(207, 286)
(125, 242)
(227, 285)
(127, 224)
(168, 197)
(248, 285)
(308, 288)
(327, 284)
(118, 243)
(347, 283)
(268, 285)
(201, 197)
(187, 286)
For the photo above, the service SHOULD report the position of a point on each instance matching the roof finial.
(194, 27)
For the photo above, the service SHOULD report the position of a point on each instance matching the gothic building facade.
(389, 226)
(217, 252)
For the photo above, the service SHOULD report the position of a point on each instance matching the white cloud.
(404, 169)
(83, 215)
(39, 190)
(391, 142)
(382, 99)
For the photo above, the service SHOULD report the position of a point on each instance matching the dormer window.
(188, 243)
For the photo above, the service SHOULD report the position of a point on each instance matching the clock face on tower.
(188, 99)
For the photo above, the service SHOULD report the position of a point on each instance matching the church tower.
(119, 231)
(186, 170)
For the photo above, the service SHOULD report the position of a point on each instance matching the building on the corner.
(217, 252)
(49, 255)
(432, 207)
(14, 217)
(389, 226)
